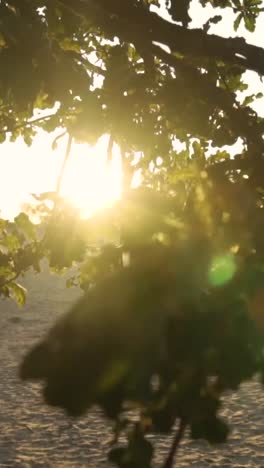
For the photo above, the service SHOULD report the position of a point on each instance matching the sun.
(88, 182)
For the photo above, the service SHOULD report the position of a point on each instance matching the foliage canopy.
(172, 315)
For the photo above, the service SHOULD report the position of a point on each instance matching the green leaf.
(248, 100)
(5, 271)
(250, 23)
(18, 292)
(2, 137)
(256, 2)
(237, 21)
(12, 242)
(215, 19)
(23, 222)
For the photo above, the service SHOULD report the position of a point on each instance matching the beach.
(35, 435)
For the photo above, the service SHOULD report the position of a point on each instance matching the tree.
(172, 315)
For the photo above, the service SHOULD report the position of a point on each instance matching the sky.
(86, 183)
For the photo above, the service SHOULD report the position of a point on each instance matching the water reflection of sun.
(87, 182)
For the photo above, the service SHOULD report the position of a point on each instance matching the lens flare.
(222, 270)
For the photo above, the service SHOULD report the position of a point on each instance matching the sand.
(35, 435)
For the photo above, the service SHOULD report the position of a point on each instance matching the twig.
(66, 157)
(27, 123)
(55, 209)
(58, 137)
(110, 150)
(175, 445)
(40, 119)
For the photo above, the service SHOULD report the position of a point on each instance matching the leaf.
(52, 196)
(28, 138)
(12, 242)
(23, 222)
(248, 100)
(250, 23)
(237, 21)
(70, 45)
(215, 19)
(18, 292)
(212, 429)
(4, 291)
(2, 137)
(5, 271)
(179, 11)
(256, 2)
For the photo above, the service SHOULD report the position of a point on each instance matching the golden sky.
(86, 181)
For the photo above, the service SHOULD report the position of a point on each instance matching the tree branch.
(133, 22)
(175, 445)
(197, 43)
(239, 118)
(39, 119)
(28, 123)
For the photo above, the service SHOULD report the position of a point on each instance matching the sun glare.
(88, 183)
